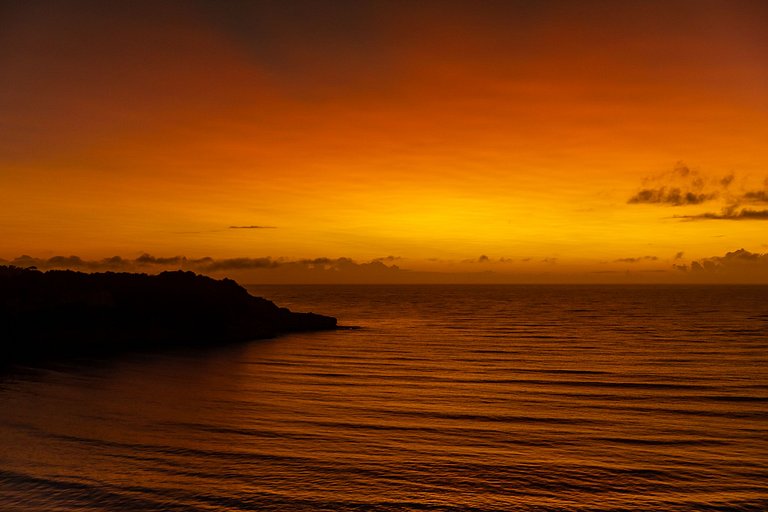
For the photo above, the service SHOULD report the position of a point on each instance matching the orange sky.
(432, 132)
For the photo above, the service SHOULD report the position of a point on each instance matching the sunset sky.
(389, 141)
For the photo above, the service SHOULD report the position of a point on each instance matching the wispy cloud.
(253, 227)
(636, 260)
(239, 264)
(728, 213)
(670, 196)
(388, 259)
(680, 186)
(755, 196)
(683, 186)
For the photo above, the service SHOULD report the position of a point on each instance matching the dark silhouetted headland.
(55, 313)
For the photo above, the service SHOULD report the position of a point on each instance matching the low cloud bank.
(740, 266)
(147, 262)
(280, 270)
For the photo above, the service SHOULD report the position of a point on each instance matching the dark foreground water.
(448, 398)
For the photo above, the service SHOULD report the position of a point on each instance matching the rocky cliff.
(66, 312)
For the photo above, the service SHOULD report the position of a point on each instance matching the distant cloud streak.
(756, 196)
(239, 264)
(671, 196)
(388, 259)
(636, 260)
(728, 214)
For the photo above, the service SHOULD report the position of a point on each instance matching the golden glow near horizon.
(436, 133)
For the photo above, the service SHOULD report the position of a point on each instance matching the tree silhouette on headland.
(63, 312)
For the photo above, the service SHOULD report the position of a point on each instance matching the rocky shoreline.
(62, 312)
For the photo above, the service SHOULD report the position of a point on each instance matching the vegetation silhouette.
(63, 312)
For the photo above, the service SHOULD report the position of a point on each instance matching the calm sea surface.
(477, 398)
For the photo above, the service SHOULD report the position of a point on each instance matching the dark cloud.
(678, 255)
(740, 266)
(669, 196)
(739, 259)
(734, 209)
(680, 186)
(729, 213)
(636, 260)
(683, 186)
(755, 196)
(252, 227)
(483, 259)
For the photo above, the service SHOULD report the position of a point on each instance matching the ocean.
(442, 398)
